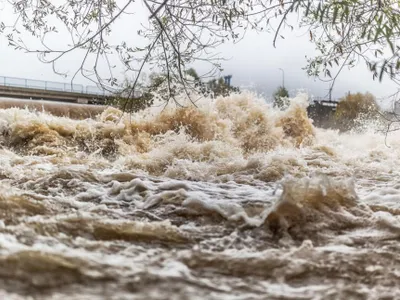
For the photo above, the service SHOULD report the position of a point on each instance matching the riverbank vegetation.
(158, 90)
(355, 109)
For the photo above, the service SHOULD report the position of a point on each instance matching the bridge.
(22, 88)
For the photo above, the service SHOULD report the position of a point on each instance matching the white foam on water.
(230, 200)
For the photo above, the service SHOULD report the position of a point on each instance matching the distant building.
(228, 80)
(322, 112)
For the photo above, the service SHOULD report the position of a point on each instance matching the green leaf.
(378, 31)
(335, 13)
(318, 10)
(328, 73)
(346, 12)
(321, 17)
(379, 21)
(383, 69)
(364, 32)
(308, 8)
(390, 44)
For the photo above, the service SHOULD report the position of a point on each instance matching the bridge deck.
(40, 94)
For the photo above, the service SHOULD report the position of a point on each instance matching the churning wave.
(228, 200)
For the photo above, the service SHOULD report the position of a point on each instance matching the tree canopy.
(355, 108)
(279, 96)
(179, 33)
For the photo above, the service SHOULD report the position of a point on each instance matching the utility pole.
(283, 77)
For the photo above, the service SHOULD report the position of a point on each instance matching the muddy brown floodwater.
(232, 200)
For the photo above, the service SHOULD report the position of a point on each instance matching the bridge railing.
(51, 86)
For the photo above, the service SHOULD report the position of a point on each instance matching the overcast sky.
(253, 61)
(256, 60)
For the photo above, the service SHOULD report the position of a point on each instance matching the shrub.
(354, 108)
(280, 96)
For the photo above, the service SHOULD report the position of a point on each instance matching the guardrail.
(51, 86)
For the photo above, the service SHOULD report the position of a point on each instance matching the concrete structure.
(38, 94)
(22, 88)
(322, 112)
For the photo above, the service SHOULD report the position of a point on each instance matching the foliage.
(348, 32)
(157, 89)
(279, 96)
(192, 72)
(144, 96)
(180, 32)
(354, 108)
(220, 88)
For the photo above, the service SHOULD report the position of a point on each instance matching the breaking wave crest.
(237, 123)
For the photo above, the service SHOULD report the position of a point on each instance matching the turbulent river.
(230, 200)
